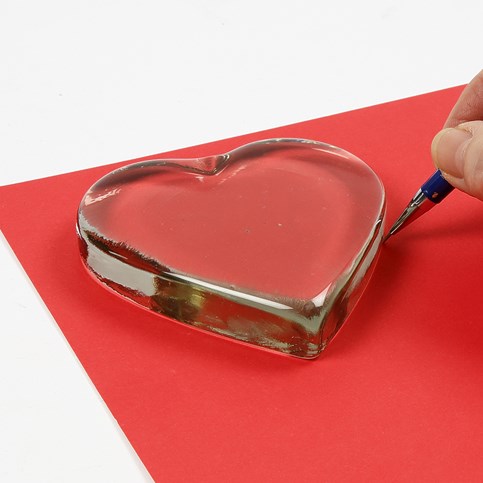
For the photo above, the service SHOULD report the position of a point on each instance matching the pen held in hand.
(432, 192)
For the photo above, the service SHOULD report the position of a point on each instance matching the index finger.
(469, 106)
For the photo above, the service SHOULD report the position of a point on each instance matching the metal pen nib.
(434, 190)
(416, 207)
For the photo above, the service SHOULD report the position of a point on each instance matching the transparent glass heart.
(270, 244)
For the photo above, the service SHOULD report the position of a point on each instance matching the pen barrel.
(436, 188)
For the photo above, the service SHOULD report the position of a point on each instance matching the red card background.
(397, 396)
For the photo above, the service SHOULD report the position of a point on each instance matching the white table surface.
(94, 82)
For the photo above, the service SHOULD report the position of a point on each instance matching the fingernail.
(448, 149)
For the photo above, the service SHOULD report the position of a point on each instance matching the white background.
(94, 82)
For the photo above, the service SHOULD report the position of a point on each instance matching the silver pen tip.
(416, 207)
(400, 222)
(384, 240)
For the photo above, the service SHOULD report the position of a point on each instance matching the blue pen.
(432, 192)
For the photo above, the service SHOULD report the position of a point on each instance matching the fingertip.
(447, 150)
(435, 144)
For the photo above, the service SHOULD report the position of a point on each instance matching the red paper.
(397, 396)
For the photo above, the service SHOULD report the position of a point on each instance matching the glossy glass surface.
(270, 244)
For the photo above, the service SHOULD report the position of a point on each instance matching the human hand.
(457, 150)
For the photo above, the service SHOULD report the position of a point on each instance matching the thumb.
(458, 153)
